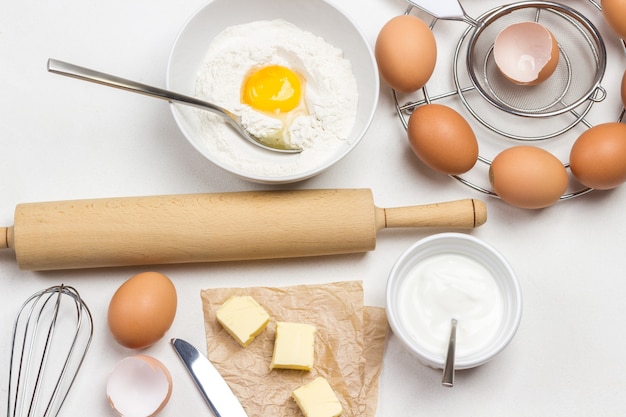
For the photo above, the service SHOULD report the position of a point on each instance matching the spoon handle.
(86, 74)
(448, 369)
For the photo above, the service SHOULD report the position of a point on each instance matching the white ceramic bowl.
(315, 16)
(476, 250)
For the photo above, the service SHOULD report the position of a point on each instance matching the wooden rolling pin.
(214, 227)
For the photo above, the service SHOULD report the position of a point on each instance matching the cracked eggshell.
(139, 386)
(526, 53)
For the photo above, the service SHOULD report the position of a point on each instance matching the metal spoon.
(86, 74)
(448, 369)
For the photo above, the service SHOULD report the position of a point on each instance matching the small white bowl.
(315, 16)
(467, 246)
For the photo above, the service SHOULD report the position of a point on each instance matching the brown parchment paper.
(349, 345)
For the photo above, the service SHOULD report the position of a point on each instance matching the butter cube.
(294, 346)
(317, 399)
(243, 318)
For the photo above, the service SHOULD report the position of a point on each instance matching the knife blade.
(222, 400)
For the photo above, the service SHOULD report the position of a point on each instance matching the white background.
(66, 139)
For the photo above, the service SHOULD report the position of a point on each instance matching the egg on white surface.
(142, 310)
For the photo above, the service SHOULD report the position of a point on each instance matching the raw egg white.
(598, 157)
(142, 310)
(139, 386)
(526, 53)
(614, 12)
(406, 53)
(528, 177)
(442, 139)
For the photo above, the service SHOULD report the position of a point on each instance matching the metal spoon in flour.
(86, 74)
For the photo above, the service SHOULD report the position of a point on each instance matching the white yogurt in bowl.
(453, 275)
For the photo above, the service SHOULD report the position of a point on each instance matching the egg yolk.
(272, 88)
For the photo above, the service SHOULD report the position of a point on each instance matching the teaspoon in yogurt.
(71, 70)
(448, 369)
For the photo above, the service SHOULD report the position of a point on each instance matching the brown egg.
(442, 139)
(614, 12)
(526, 53)
(624, 89)
(528, 177)
(406, 53)
(142, 310)
(598, 157)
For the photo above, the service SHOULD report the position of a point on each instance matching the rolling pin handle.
(465, 214)
(4, 238)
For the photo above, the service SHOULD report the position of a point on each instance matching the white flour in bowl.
(330, 94)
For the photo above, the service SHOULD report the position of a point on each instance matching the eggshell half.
(139, 386)
(614, 12)
(528, 177)
(442, 139)
(406, 53)
(142, 310)
(598, 157)
(526, 53)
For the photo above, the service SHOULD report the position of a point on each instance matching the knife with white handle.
(222, 401)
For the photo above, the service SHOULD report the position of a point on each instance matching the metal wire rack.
(507, 113)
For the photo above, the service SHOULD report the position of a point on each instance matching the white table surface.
(63, 139)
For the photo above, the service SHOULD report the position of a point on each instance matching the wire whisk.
(51, 336)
